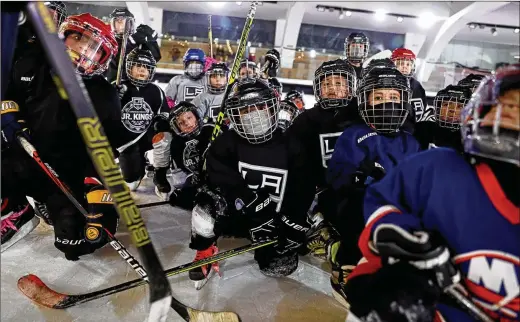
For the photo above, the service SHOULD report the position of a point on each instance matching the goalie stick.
(37, 291)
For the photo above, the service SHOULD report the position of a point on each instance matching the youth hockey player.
(426, 217)
(141, 101)
(143, 37)
(448, 105)
(287, 114)
(357, 47)
(471, 81)
(208, 103)
(297, 99)
(248, 69)
(182, 137)
(262, 177)
(37, 112)
(404, 60)
(186, 87)
(363, 153)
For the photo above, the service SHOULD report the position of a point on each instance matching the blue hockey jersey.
(438, 190)
(359, 143)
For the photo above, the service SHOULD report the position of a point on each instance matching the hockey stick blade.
(36, 290)
(71, 88)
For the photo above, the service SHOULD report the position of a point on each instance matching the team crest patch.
(137, 115)
(190, 155)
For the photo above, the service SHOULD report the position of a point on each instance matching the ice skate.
(201, 275)
(17, 225)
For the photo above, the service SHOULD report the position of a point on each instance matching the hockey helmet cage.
(329, 90)
(448, 104)
(214, 70)
(140, 66)
(357, 47)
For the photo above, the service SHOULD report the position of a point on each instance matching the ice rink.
(303, 296)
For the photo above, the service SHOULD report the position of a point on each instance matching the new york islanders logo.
(492, 278)
(137, 115)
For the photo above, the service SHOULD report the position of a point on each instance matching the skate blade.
(163, 196)
(200, 284)
(24, 231)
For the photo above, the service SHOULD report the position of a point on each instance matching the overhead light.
(341, 15)
(517, 30)
(472, 26)
(348, 13)
(494, 31)
(380, 15)
(321, 9)
(516, 57)
(217, 4)
(239, 3)
(400, 19)
(248, 44)
(426, 20)
(215, 41)
(324, 51)
(312, 53)
(194, 38)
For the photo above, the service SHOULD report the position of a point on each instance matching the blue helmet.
(191, 55)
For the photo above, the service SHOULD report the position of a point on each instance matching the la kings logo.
(191, 91)
(327, 143)
(190, 155)
(265, 177)
(137, 115)
(213, 112)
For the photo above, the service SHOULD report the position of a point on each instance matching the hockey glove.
(102, 215)
(293, 234)
(261, 212)
(144, 34)
(12, 126)
(121, 90)
(272, 59)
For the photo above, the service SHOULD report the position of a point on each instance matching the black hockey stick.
(152, 204)
(70, 87)
(55, 300)
(122, 53)
(234, 69)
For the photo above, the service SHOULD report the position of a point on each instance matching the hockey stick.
(210, 37)
(70, 87)
(152, 204)
(122, 53)
(43, 295)
(234, 69)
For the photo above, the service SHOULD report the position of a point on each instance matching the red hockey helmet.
(90, 43)
(404, 60)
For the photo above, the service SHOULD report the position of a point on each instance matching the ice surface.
(303, 296)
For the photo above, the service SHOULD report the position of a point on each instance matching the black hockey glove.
(272, 57)
(12, 125)
(121, 90)
(160, 123)
(144, 34)
(261, 212)
(293, 234)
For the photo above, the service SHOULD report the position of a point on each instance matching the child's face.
(450, 112)
(247, 72)
(510, 114)
(82, 44)
(252, 108)
(334, 87)
(140, 72)
(298, 102)
(380, 96)
(217, 80)
(119, 26)
(405, 66)
(187, 122)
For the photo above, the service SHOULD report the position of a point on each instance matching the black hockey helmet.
(379, 63)
(449, 103)
(490, 126)
(357, 46)
(248, 69)
(472, 81)
(287, 114)
(214, 70)
(252, 108)
(140, 66)
(185, 125)
(329, 90)
(118, 20)
(60, 11)
(297, 98)
(384, 99)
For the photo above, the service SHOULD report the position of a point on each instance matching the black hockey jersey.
(188, 153)
(139, 105)
(419, 103)
(280, 165)
(443, 137)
